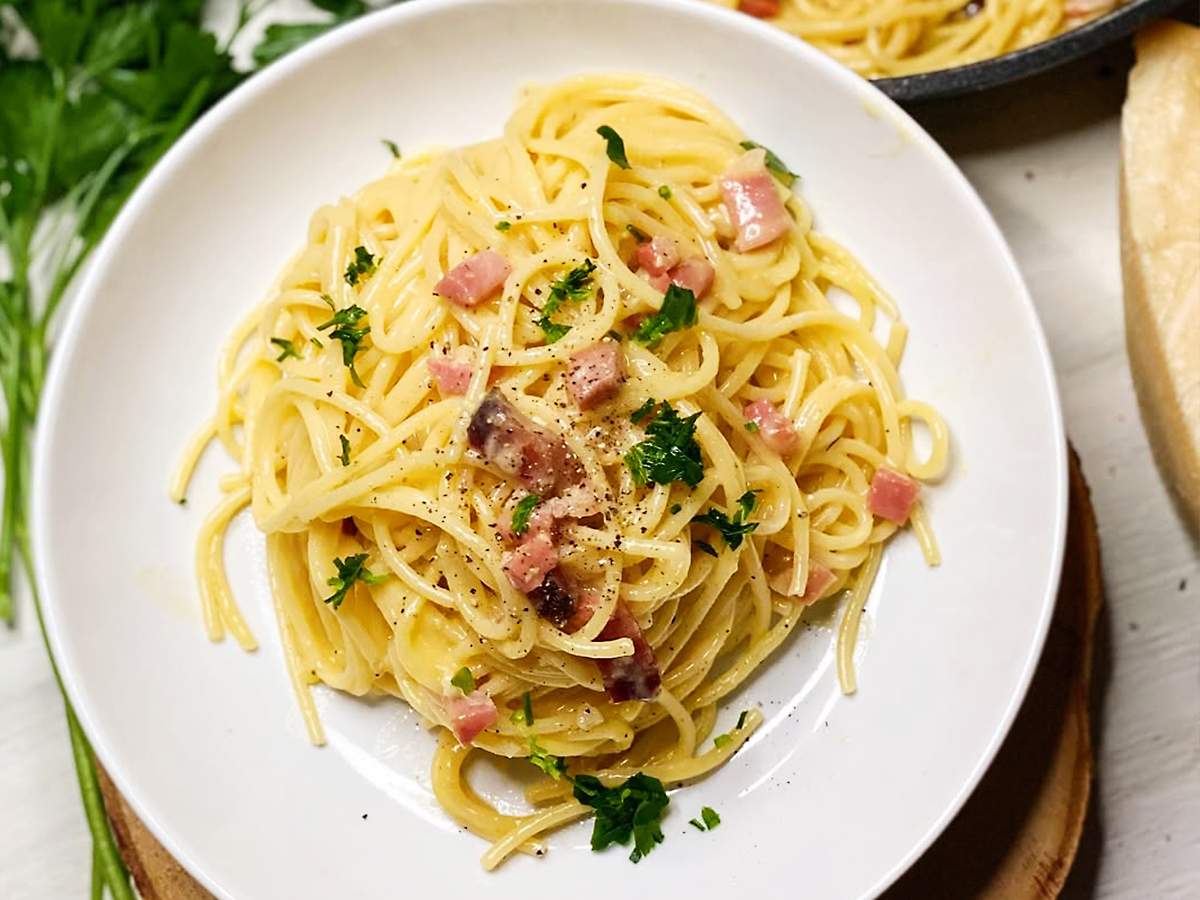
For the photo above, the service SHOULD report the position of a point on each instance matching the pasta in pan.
(556, 437)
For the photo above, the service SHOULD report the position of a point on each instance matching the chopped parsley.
(642, 411)
(669, 453)
(676, 507)
(316, 342)
(741, 722)
(286, 347)
(522, 512)
(503, 225)
(392, 148)
(349, 336)
(345, 457)
(677, 313)
(524, 715)
(616, 146)
(363, 265)
(554, 766)
(349, 570)
(638, 235)
(710, 817)
(464, 680)
(751, 426)
(774, 163)
(664, 192)
(631, 810)
(575, 286)
(706, 547)
(721, 740)
(736, 528)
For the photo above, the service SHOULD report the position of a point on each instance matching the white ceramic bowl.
(836, 796)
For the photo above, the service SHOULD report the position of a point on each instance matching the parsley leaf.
(575, 286)
(392, 148)
(464, 680)
(669, 453)
(524, 715)
(553, 331)
(280, 38)
(616, 146)
(345, 457)
(711, 819)
(503, 225)
(350, 337)
(774, 163)
(350, 570)
(677, 313)
(364, 265)
(632, 809)
(697, 824)
(524, 508)
(665, 192)
(736, 528)
(642, 411)
(286, 347)
(751, 426)
(741, 722)
(638, 235)
(554, 766)
(721, 740)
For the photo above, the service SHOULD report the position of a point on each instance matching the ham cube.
(776, 429)
(658, 255)
(695, 273)
(475, 279)
(515, 446)
(529, 564)
(760, 9)
(595, 374)
(819, 580)
(753, 203)
(633, 677)
(470, 715)
(892, 495)
(452, 376)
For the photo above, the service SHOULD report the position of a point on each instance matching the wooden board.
(1014, 840)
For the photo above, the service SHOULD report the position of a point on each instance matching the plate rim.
(212, 120)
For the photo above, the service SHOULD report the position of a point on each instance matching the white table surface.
(1044, 157)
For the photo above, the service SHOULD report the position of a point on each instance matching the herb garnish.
(349, 570)
(345, 456)
(741, 722)
(554, 766)
(677, 313)
(524, 715)
(711, 819)
(751, 426)
(616, 146)
(363, 265)
(350, 337)
(706, 547)
(774, 163)
(632, 809)
(464, 680)
(575, 286)
(286, 347)
(669, 453)
(638, 235)
(642, 411)
(721, 740)
(392, 148)
(503, 225)
(664, 192)
(524, 508)
(732, 529)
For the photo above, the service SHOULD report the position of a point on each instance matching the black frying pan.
(1019, 64)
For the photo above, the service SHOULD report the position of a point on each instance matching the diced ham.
(633, 677)
(577, 501)
(658, 255)
(760, 9)
(595, 374)
(554, 600)
(695, 273)
(752, 202)
(892, 495)
(777, 430)
(470, 715)
(475, 279)
(659, 282)
(530, 562)
(452, 376)
(517, 447)
(819, 579)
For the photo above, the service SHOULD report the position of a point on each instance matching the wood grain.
(1014, 840)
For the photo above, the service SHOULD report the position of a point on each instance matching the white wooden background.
(1044, 157)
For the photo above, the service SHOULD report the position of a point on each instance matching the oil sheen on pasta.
(423, 507)
(890, 38)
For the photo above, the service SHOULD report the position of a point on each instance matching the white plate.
(836, 796)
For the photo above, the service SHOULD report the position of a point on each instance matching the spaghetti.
(891, 38)
(556, 438)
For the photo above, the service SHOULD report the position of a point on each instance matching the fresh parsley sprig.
(350, 571)
(669, 453)
(554, 766)
(521, 513)
(734, 528)
(344, 331)
(615, 145)
(678, 312)
(710, 817)
(286, 348)
(362, 266)
(575, 286)
(464, 680)
(631, 810)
